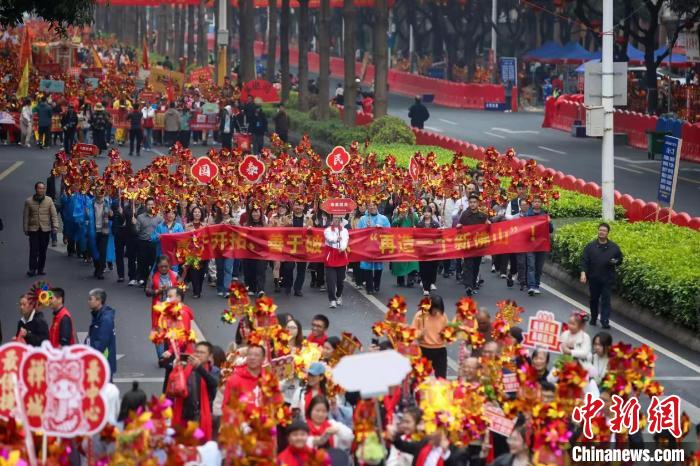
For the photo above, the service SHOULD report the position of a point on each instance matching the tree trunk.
(381, 59)
(162, 28)
(304, 26)
(324, 58)
(247, 38)
(201, 34)
(271, 41)
(190, 34)
(177, 40)
(350, 91)
(284, 49)
(651, 82)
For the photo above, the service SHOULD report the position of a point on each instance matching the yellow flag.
(25, 60)
(97, 62)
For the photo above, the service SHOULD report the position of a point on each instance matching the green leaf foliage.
(660, 268)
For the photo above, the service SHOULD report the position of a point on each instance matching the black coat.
(418, 114)
(458, 457)
(596, 260)
(37, 329)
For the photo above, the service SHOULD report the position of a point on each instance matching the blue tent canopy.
(675, 59)
(547, 51)
(573, 51)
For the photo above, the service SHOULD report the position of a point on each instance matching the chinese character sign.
(11, 355)
(338, 206)
(509, 70)
(543, 332)
(60, 389)
(669, 169)
(251, 168)
(337, 159)
(204, 170)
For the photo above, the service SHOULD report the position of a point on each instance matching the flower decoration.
(238, 303)
(40, 294)
(309, 353)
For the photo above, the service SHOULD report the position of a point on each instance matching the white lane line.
(138, 379)
(658, 348)
(515, 131)
(10, 169)
(625, 159)
(494, 135)
(432, 128)
(451, 363)
(681, 378)
(549, 149)
(449, 122)
(620, 167)
(533, 157)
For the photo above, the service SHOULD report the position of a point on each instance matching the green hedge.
(660, 268)
(569, 204)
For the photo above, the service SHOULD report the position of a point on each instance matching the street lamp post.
(222, 43)
(608, 149)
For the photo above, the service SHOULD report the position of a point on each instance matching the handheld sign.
(204, 170)
(543, 332)
(85, 150)
(52, 86)
(338, 159)
(251, 168)
(338, 206)
(669, 169)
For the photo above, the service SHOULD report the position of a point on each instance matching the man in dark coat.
(32, 326)
(102, 334)
(470, 270)
(44, 114)
(258, 128)
(418, 114)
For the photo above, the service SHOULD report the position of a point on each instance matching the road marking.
(656, 172)
(138, 379)
(534, 157)
(620, 167)
(494, 135)
(432, 128)
(560, 152)
(449, 122)
(658, 348)
(690, 169)
(10, 169)
(625, 159)
(451, 363)
(514, 131)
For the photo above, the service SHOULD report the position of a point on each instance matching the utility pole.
(608, 149)
(494, 21)
(222, 43)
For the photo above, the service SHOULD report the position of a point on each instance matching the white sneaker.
(537, 291)
(504, 275)
(141, 282)
(426, 293)
(133, 283)
(220, 293)
(433, 287)
(332, 305)
(339, 301)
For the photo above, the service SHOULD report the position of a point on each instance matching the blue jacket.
(532, 213)
(103, 336)
(371, 221)
(44, 112)
(163, 229)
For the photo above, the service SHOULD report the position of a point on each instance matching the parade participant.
(44, 114)
(258, 128)
(519, 450)
(328, 348)
(166, 352)
(84, 115)
(418, 113)
(315, 385)
(185, 132)
(472, 216)
(148, 119)
(540, 362)
(600, 345)
(228, 124)
(61, 330)
(520, 266)
(599, 262)
(124, 240)
(172, 120)
(254, 269)
(298, 453)
(297, 220)
(100, 123)
(325, 432)
(535, 260)
(202, 380)
(372, 270)
(575, 341)
(434, 450)
(319, 326)
(430, 325)
(357, 275)
(159, 282)
(281, 120)
(40, 219)
(99, 214)
(102, 334)
(280, 218)
(407, 428)
(135, 118)
(145, 225)
(69, 124)
(169, 225)
(319, 219)
(25, 123)
(224, 265)
(335, 260)
(244, 380)
(404, 217)
(469, 370)
(32, 327)
(296, 334)
(428, 269)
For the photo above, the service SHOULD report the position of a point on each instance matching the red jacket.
(156, 296)
(243, 382)
(318, 340)
(296, 457)
(55, 330)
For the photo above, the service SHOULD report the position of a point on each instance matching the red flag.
(144, 58)
(171, 93)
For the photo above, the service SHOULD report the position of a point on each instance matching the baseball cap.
(317, 368)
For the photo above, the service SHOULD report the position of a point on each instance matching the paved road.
(678, 368)
(634, 173)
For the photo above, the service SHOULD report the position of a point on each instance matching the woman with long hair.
(278, 218)
(316, 384)
(335, 259)
(602, 342)
(519, 450)
(195, 275)
(428, 269)
(430, 325)
(293, 326)
(254, 269)
(323, 431)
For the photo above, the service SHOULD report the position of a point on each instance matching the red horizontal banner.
(369, 244)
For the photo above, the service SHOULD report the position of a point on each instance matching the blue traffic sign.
(670, 156)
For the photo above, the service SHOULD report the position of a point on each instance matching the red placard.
(338, 206)
(48, 68)
(498, 422)
(85, 150)
(92, 72)
(244, 141)
(543, 332)
(338, 159)
(251, 168)
(149, 96)
(414, 168)
(260, 89)
(204, 170)
(11, 355)
(510, 382)
(202, 74)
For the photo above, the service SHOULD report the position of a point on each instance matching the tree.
(190, 34)
(284, 49)
(202, 34)
(350, 91)
(324, 58)
(271, 40)
(381, 58)
(60, 13)
(304, 36)
(247, 38)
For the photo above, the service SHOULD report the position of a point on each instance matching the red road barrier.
(637, 209)
(561, 112)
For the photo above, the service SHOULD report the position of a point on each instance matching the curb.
(630, 310)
